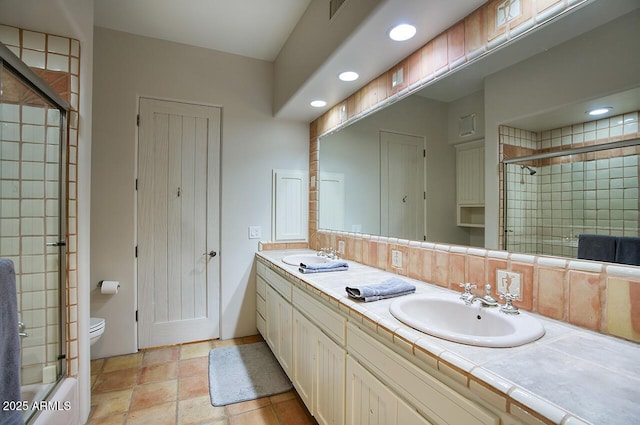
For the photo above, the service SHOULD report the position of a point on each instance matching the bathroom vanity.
(354, 363)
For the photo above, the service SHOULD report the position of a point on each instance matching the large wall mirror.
(393, 172)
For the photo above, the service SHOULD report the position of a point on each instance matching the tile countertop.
(569, 376)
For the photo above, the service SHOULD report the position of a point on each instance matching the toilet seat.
(96, 325)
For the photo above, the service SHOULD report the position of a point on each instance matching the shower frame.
(18, 69)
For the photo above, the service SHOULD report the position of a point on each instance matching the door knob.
(211, 253)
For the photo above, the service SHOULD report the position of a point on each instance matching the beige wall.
(253, 143)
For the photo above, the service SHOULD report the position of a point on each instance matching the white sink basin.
(296, 259)
(448, 317)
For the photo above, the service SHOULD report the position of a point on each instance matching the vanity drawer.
(278, 282)
(439, 403)
(331, 322)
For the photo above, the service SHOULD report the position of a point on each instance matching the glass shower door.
(32, 225)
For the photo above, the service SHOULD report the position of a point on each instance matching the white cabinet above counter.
(569, 376)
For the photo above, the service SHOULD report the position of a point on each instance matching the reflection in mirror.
(553, 198)
(375, 177)
(540, 84)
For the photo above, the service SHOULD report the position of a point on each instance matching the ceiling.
(253, 28)
(259, 29)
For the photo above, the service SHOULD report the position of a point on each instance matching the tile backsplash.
(597, 296)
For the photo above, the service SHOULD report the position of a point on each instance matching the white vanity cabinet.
(347, 376)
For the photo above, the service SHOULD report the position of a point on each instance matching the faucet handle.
(508, 307)
(467, 287)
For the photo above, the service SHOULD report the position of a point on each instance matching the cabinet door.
(279, 328)
(304, 359)
(470, 174)
(369, 402)
(329, 386)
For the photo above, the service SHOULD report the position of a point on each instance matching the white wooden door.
(279, 328)
(178, 222)
(304, 358)
(369, 402)
(403, 185)
(330, 381)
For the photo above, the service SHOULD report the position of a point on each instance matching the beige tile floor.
(170, 385)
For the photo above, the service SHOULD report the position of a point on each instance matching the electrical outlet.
(255, 232)
(341, 247)
(509, 282)
(396, 258)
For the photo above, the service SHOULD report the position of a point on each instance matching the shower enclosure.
(33, 217)
(552, 197)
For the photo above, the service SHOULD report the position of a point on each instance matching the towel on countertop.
(597, 247)
(331, 266)
(392, 287)
(628, 250)
(9, 343)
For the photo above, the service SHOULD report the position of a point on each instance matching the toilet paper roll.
(109, 287)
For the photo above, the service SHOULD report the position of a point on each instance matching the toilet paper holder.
(100, 284)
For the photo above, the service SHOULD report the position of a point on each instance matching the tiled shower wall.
(585, 193)
(57, 61)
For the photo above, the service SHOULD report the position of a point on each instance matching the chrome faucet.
(487, 300)
(328, 253)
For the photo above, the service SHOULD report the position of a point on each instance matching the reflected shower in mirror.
(552, 198)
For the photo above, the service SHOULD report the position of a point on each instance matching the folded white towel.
(330, 266)
(392, 287)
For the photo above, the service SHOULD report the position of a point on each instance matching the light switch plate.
(509, 282)
(255, 232)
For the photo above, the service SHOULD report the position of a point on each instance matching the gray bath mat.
(244, 372)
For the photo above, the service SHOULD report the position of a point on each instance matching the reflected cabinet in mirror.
(399, 173)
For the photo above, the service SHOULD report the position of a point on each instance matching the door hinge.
(424, 238)
(424, 153)
(424, 195)
(138, 120)
(136, 184)
(136, 251)
(136, 315)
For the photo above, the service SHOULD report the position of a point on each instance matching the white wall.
(602, 62)
(71, 18)
(253, 143)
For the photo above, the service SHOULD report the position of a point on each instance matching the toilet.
(96, 329)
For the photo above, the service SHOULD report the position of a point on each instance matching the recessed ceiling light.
(318, 103)
(402, 32)
(348, 76)
(599, 111)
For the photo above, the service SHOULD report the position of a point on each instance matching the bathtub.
(60, 408)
